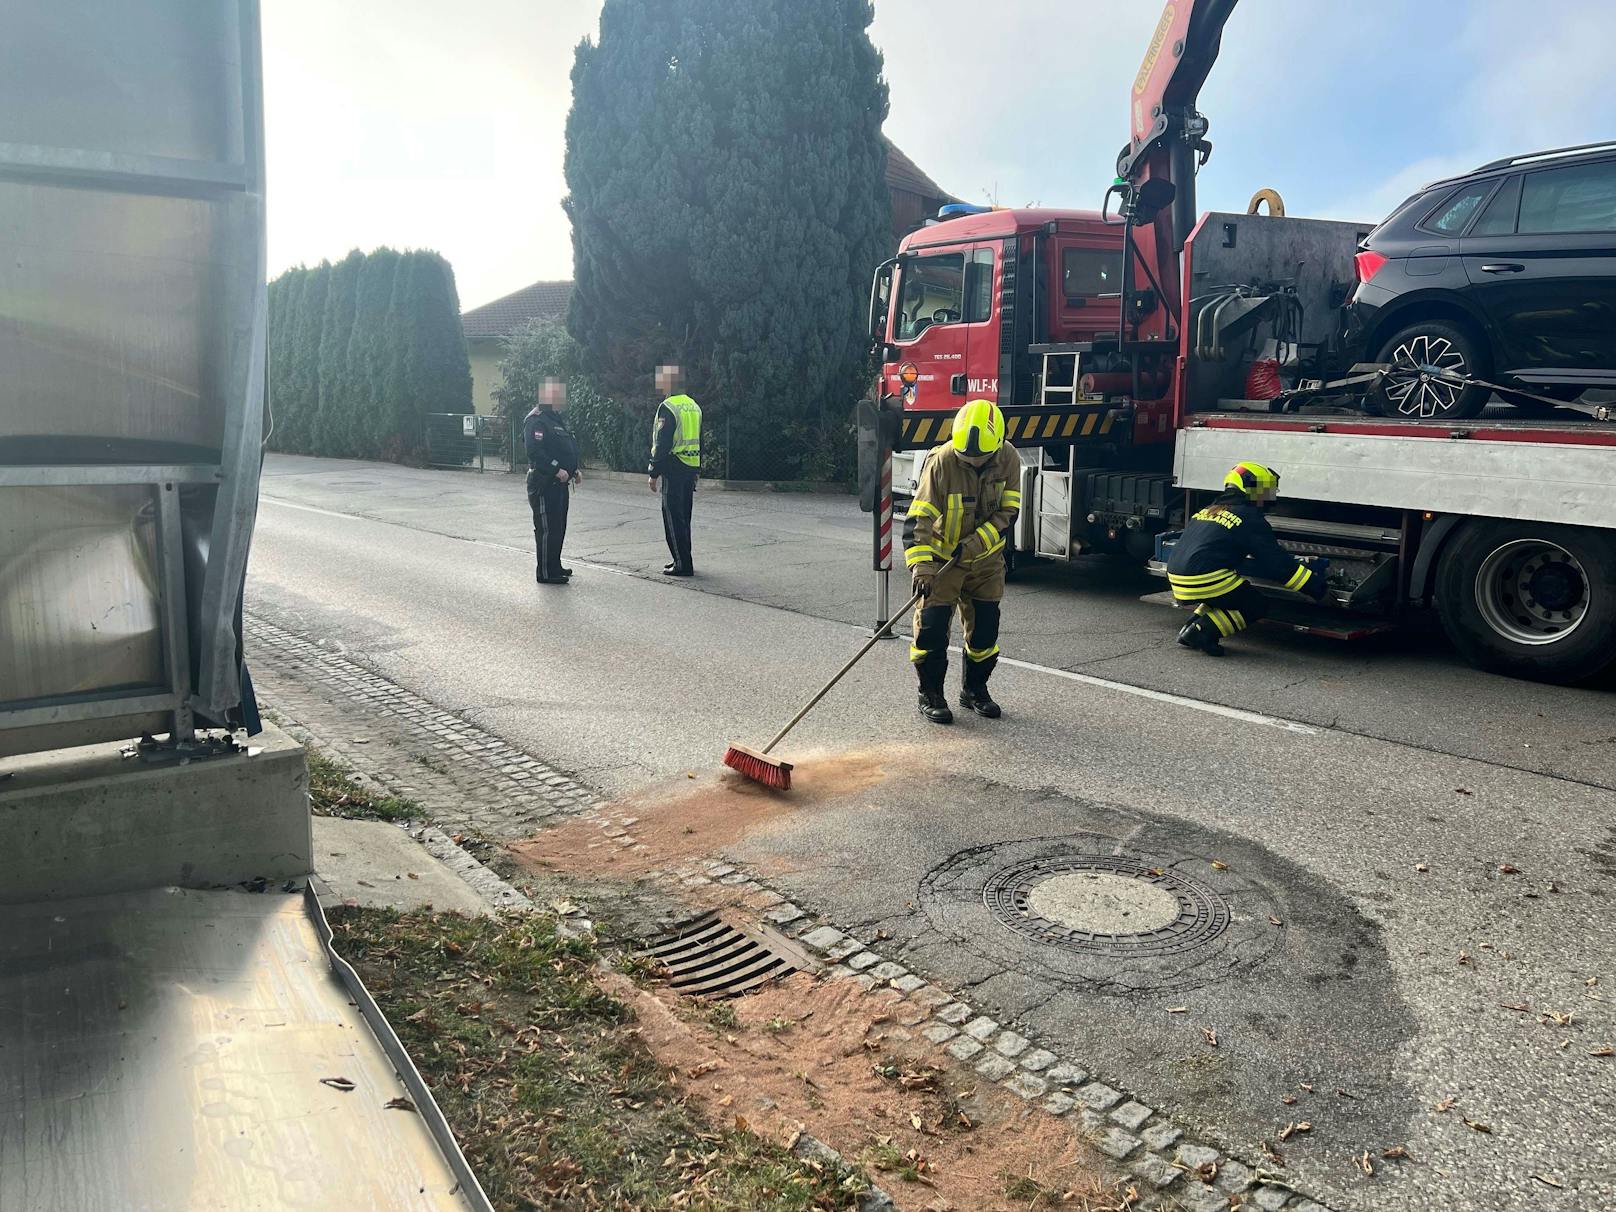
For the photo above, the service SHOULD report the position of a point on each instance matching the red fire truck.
(1126, 346)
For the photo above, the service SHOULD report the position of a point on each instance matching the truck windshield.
(932, 291)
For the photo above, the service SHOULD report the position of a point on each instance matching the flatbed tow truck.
(1140, 351)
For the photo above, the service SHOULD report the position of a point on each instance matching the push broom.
(756, 764)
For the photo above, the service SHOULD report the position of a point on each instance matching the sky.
(424, 124)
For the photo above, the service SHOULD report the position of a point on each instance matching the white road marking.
(456, 538)
(1161, 696)
(1086, 679)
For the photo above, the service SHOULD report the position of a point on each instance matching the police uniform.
(551, 448)
(965, 504)
(676, 461)
(1221, 546)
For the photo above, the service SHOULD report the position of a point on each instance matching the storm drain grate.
(717, 955)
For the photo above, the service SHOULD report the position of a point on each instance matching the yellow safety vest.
(687, 441)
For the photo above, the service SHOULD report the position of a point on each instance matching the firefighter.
(1225, 543)
(675, 464)
(552, 471)
(966, 503)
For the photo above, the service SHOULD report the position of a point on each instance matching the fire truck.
(1140, 351)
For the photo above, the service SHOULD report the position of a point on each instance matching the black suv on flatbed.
(1507, 274)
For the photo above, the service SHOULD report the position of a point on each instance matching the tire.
(1531, 600)
(1416, 398)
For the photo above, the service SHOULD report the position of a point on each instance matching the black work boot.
(975, 696)
(1201, 633)
(932, 670)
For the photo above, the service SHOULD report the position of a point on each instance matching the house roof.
(903, 173)
(541, 301)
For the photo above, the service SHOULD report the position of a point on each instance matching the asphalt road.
(1365, 799)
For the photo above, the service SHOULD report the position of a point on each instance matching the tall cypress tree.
(330, 429)
(726, 176)
(371, 351)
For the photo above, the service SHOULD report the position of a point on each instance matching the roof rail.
(1509, 161)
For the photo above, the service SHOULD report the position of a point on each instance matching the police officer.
(675, 464)
(966, 503)
(552, 471)
(1222, 545)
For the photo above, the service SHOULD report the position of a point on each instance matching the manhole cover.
(1088, 911)
(1105, 903)
(716, 955)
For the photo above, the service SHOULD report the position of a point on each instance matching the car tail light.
(1368, 264)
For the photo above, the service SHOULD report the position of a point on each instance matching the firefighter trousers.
(976, 593)
(1232, 612)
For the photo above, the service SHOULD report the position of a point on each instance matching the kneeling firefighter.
(966, 503)
(1223, 544)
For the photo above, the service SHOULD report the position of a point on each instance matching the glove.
(921, 583)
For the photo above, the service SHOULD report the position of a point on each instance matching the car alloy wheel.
(1415, 388)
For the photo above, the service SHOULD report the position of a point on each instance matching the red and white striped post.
(883, 540)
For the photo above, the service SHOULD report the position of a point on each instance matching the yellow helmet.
(1252, 478)
(978, 428)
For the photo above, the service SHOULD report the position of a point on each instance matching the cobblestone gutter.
(469, 780)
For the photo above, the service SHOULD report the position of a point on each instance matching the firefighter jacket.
(962, 508)
(1228, 541)
(675, 436)
(550, 444)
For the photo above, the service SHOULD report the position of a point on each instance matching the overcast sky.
(422, 124)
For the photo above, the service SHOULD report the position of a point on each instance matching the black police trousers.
(548, 498)
(678, 502)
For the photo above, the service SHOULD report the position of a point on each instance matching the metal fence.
(468, 440)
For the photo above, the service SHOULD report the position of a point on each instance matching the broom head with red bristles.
(759, 767)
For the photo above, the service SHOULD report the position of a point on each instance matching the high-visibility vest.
(687, 440)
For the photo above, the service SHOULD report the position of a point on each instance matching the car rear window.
(1582, 198)
(1499, 217)
(1454, 211)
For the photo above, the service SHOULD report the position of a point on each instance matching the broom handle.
(880, 634)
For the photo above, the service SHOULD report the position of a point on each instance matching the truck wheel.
(1532, 600)
(1409, 395)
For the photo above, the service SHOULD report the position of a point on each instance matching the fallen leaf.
(1591, 981)
(1287, 1130)
(1289, 1100)
(1549, 1182)
(412, 875)
(1555, 1018)
(399, 1104)
(1603, 1052)
(1178, 1009)
(1157, 871)
(1274, 921)
(1308, 1086)
(704, 1068)
(741, 1125)
(1395, 1153)
(1553, 887)
(1207, 1172)
(1340, 1093)
(1473, 1125)
(1462, 791)
(1364, 1164)
(1422, 867)
(726, 1100)
(337, 1083)
(1217, 866)
(1464, 957)
(689, 774)
(1508, 869)
(1518, 1007)
(1446, 1104)
(914, 1121)
(1211, 1036)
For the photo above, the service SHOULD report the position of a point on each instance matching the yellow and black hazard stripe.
(1027, 425)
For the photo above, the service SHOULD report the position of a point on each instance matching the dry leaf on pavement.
(1474, 1126)
(1508, 869)
(1363, 1163)
(1446, 1104)
(1217, 866)
(1211, 1036)
(1549, 1182)
(1395, 1153)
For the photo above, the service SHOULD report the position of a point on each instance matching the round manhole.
(1105, 903)
(1089, 911)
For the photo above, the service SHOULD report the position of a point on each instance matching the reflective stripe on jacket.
(957, 506)
(1224, 543)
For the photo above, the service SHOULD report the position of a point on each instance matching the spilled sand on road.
(825, 1058)
(700, 818)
